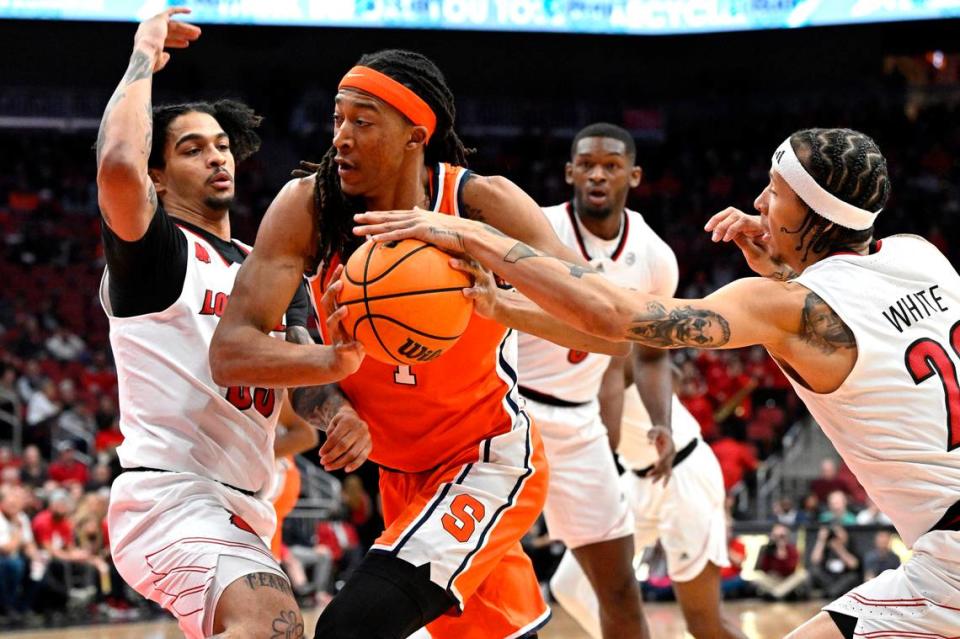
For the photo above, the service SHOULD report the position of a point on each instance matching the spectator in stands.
(42, 410)
(732, 585)
(33, 471)
(359, 510)
(75, 421)
(736, 457)
(29, 344)
(100, 477)
(106, 411)
(828, 481)
(871, 515)
(7, 458)
(339, 540)
(881, 557)
(810, 513)
(834, 566)
(108, 438)
(17, 550)
(10, 476)
(31, 381)
(67, 468)
(785, 512)
(778, 564)
(837, 511)
(65, 345)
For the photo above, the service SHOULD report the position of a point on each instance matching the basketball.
(404, 301)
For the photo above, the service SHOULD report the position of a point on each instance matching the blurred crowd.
(57, 377)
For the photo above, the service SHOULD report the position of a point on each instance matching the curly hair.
(238, 120)
(334, 209)
(849, 165)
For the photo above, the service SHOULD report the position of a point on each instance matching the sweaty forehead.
(600, 146)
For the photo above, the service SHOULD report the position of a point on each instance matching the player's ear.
(568, 173)
(418, 137)
(636, 174)
(157, 177)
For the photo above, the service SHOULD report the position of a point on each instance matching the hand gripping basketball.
(403, 301)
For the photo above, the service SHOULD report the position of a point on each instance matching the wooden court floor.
(759, 620)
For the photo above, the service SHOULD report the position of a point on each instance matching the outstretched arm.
(125, 192)
(242, 352)
(746, 312)
(512, 309)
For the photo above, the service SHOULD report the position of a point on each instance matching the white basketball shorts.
(585, 504)
(180, 539)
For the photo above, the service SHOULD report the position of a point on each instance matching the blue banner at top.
(639, 17)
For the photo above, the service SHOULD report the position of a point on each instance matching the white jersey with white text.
(637, 258)
(172, 414)
(895, 420)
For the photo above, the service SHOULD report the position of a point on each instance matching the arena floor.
(759, 620)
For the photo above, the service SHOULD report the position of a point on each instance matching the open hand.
(163, 32)
(750, 236)
(443, 231)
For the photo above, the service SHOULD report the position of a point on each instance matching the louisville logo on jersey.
(238, 521)
(575, 357)
(202, 254)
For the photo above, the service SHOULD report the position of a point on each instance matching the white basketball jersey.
(896, 418)
(635, 450)
(172, 414)
(636, 259)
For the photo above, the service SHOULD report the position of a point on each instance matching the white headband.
(785, 163)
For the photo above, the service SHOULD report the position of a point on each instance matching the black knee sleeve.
(385, 598)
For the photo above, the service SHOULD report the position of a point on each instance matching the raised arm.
(242, 352)
(125, 192)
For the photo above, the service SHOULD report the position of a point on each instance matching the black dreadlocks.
(334, 210)
(849, 165)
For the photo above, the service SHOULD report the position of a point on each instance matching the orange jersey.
(420, 416)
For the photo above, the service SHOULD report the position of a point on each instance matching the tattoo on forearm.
(681, 326)
(317, 404)
(447, 233)
(140, 67)
(268, 580)
(521, 251)
(287, 625)
(494, 230)
(822, 328)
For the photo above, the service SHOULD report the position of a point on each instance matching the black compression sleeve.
(146, 275)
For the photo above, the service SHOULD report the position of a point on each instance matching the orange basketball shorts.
(466, 518)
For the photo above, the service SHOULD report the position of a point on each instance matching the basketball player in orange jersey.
(187, 527)
(867, 330)
(463, 474)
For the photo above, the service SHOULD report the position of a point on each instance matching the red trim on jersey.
(897, 603)
(583, 247)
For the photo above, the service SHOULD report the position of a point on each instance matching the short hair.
(849, 165)
(238, 120)
(605, 130)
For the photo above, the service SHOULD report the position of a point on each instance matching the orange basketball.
(404, 301)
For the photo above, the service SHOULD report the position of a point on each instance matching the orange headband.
(393, 93)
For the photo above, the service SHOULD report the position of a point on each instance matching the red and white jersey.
(895, 420)
(172, 414)
(637, 258)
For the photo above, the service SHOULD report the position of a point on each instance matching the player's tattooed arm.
(678, 327)
(318, 405)
(125, 191)
(521, 251)
(822, 328)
